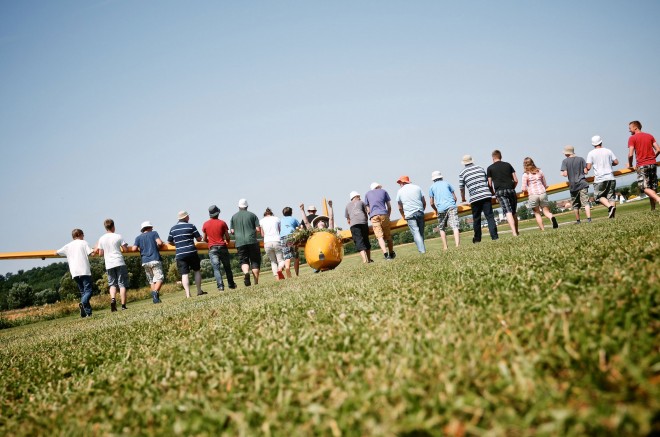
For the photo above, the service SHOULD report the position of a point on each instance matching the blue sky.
(136, 110)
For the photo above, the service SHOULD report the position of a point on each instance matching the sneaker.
(201, 293)
(124, 307)
(157, 297)
(113, 306)
(370, 261)
(232, 286)
(83, 314)
(611, 211)
(589, 220)
(555, 225)
(154, 297)
(577, 222)
(221, 288)
(392, 255)
(246, 280)
(386, 255)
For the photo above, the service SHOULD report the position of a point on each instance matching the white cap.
(596, 140)
(374, 185)
(146, 224)
(353, 194)
(436, 175)
(242, 203)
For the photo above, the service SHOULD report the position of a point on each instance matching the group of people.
(485, 186)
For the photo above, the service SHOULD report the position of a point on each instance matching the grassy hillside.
(549, 333)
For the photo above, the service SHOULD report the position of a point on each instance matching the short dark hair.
(287, 211)
(636, 123)
(109, 224)
(77, 233)
(268, 212)
(497, 154)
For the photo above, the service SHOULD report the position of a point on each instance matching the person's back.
(475, 180)
(574, 167)
(215, 230)
(271, 228)
(148, 246)
(642, 142)
(111, 244)
(77, 256)
(443, 195)
(288, 225)
(501, 174)
(183, 235)
(356, 212)
(410, 197)
(376, 200)
(602, 159)
(244, 223)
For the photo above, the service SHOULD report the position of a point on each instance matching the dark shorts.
(508, 200)
(185, 265)
(647, 177)
(605, 189)
(249, 254)
(360, 235)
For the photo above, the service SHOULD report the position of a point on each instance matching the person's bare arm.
(423, 203)
(331, 213)
(389, 208)
(304, 216)
(403, 216)
(515, 179)
(433, 205)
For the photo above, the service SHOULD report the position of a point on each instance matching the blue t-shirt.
(183, 236)
(410, 197)
(288, 224)
(146, 242)
(442, 194)
(377, 200)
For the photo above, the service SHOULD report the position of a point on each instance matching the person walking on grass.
(443, 202)
(244, 225)
(379, 208)
(602, 160)
(77, 253)
(110, 246)
(502, 181)
(575, 168)
(357, 218)
(270, 230)
(148, 243)
(644, 147)
(182, 236)
(474, 178)
(216, 234)
(412, 204)
(288, 226)
(533, 183)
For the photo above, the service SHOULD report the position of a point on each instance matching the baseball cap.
(243, 203)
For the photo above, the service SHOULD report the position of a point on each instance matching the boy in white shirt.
(77, 253)
(111, 246)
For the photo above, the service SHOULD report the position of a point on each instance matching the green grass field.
(549, 333)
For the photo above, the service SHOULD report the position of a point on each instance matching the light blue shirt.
(288, 224)
(442, 194)
(410, 196)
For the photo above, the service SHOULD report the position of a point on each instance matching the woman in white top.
(270, 230)
(533, 181)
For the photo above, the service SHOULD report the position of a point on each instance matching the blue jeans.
(486, 207)
(217, 255)
(416, 225)
(85, 287)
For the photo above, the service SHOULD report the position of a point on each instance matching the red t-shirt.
(215, 230)
(643, 144)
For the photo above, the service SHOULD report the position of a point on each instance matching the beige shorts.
(381, 226)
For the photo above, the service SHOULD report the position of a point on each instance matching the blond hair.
(529, 166)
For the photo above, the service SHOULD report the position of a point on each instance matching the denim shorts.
(118, 276)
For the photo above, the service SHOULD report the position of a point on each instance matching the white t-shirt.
(111, 244)
(76, 253)
(271, 227)
(601, 159)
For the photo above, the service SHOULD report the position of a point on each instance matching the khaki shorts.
(580, 198)
(381, 227)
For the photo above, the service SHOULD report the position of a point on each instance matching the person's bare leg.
(157, 285)
(539, 218)
(185, 281)
(587, 210)
(515, 220)
(296, 265)
(363, 254)
(255, 273)
(512, 224)
(653, 197)
(287, 267)
(113, 292)
(381, 243)
(369, 254)
(457, 236)
(122, 295)
(443, 237)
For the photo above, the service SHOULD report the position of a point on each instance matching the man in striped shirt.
(474, 178)
(183, 236)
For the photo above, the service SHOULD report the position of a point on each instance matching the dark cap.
(214, 211)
